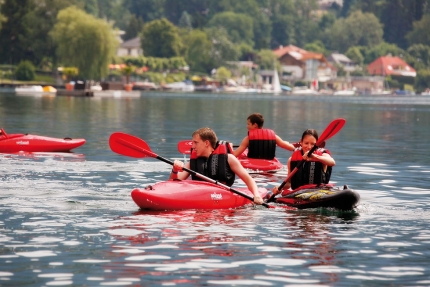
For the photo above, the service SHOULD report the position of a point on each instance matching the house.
(389, 65)
(130, 48)
(299, 64)
(342, 61)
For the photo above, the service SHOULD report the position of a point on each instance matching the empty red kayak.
(189, 194)
(257, 164)
(11, 143)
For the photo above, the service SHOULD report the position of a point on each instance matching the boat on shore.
(12, 143)
(35, 89)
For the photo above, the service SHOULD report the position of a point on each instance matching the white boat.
(29, 89)
(345, 93)
(303, 90)
(35, 89)
(185, 86)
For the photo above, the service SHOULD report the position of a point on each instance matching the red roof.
(390, 65)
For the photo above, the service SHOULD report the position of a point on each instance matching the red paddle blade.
(184, 146)
(129, 145)
(332, 129)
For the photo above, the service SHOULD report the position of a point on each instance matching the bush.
(25, 71)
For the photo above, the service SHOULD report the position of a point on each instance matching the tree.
(316, 46)
(185, 21)
(420, 33)
(398, 17)
(134, 27)
(383, 49)
(84, 42)
(355, 54)
(160, 38)
(25, 71)
(223, 50)
(419, 56)
(149, 10)
(14, 31)
(238, 26)
(422, 81)
(223, 74)
(2, 17)
(265, 59)
(359, 29)
(198, 51)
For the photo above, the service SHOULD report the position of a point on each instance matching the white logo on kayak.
(23, 143)
(216, 196)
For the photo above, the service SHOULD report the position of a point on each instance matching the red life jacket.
(216, 166)
(312, 172)
(262, 144)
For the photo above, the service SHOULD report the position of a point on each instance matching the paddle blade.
(129, 145)
(184, 146)
(332, 129)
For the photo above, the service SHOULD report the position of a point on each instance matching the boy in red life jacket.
(315, 170)
(261, 143)
(214, 162)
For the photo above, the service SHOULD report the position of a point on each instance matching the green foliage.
(134, 28)
(223, 74)
(160, 38)
(420, 33)
(84, 42)
(316, 46)
(422, 81)
(70, 72)
(359, 29)
(155, 64)
(185, 21)
(223, 50)
(239, 27)
(383, 49)
(265, 59)
(354, 53)
(25, 71)
(198, 51)
(419, 56)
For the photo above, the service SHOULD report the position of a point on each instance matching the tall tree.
(84, 42)
(134, 27)
(198, 51)
(160, 38)
(238, 26)
(14, 31)
(420, 34)
(149, 10)
(398, 17)
(359, 29)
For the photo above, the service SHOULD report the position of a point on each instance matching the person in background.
(315, 170)
(261, 143)
(214, 162)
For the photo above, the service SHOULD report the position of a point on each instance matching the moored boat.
(11, 143)
(313, 196)
(189, 194)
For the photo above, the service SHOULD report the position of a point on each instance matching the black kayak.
(313, 196)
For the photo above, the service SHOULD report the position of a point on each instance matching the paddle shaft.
(151, 154)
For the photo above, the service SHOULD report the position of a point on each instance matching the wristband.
(173, 171)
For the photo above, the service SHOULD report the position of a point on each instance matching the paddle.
(132, 146)
(332, 129)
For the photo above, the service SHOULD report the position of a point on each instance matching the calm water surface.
(67, 219)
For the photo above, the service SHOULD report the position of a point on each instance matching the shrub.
(25, 71)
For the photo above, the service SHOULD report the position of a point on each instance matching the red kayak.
(189, 194)
(11, 143)
(254, 164)
(267, 165)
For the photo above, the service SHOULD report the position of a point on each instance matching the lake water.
(67, 219)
